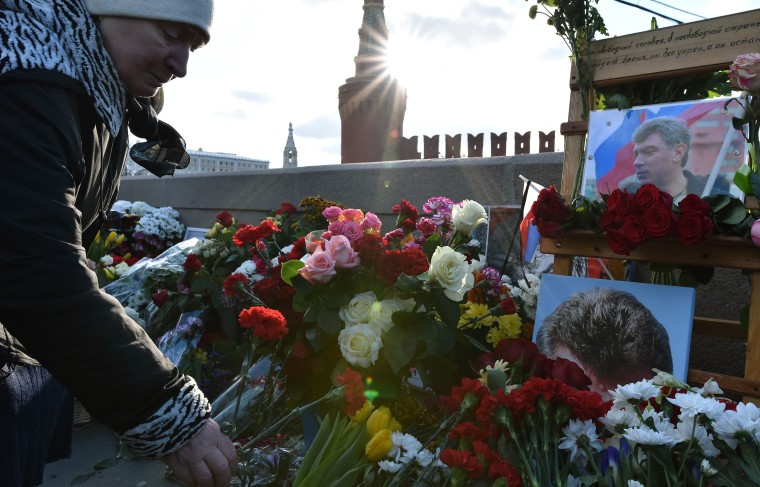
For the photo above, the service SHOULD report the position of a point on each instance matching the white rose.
(359, 345)
(357, 310)
(450, 269)
(467, 215)
(381, 314)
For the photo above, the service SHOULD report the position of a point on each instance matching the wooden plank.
(752, 365)
(704, 46)
(719, 328)
(574, 128)
(718, 251)
(728, 383)
(573, 146)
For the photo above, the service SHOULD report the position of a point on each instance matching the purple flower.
(396, 234)
(440, 207)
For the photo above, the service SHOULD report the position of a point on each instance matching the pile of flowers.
(148, 230)
(630, 219)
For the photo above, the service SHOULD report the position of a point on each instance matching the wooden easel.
(698, 47)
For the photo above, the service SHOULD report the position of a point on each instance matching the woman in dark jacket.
(70, 72)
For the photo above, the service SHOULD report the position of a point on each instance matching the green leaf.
(329, 320)
(312, 314)
(741, 179)
(447, 309)
(301, 302)
(408, 284)
(430, 245)
(107, 463)
(732, 214)
(204, 286)
(399, 345)
(290, 270)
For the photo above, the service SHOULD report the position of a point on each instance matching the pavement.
(95, 462)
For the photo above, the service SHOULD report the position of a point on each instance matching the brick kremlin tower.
(372, 103)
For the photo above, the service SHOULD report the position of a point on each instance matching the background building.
(206, 162)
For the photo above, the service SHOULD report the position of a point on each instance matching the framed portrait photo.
(617, 331)
(682, 148)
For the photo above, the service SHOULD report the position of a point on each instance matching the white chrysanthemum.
(687, 429)
(122, 206)
(161, 222)
(732, 426)
(389, 466)
(710, 388)
(692, 404)
(660, 422)
(645, 436)
(632, 394)
(577, 434)
(357, 310)
(247, 268)
(706, 468)
(527, 289)
(106, 260)
(617, 420)
(140, 208)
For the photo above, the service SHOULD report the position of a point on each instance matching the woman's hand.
(208, 460)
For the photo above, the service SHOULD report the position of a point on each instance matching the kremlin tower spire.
(290, 153)
(372, 103)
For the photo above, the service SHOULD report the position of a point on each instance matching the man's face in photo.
(656, 163)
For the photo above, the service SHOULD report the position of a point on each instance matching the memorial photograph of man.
(682, 148)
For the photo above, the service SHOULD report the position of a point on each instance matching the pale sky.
(469, 66)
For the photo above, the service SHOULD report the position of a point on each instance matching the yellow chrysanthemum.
(508, 326)
(472, 311)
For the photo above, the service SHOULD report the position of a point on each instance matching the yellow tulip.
(120, 239)
(379, 445)
(110, 238)
(378, 420)
(211, 233)
(97, 238)
(394, 425)
(364, 413)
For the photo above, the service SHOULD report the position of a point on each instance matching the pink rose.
(744, 72)
(352, 214)
(341, 252)
(756, 233)
(352, 230)
(335, 227)
(371, 223)
(331, 213)
(320, 267)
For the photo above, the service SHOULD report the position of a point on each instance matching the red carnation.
(267, 323)
(353, 391)
(503, 470)
(286, 208)
(192, 263)
(463, 459)
(224, 218)
(245, 234)
(232, 284)
(409, 261)
(693, 227)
